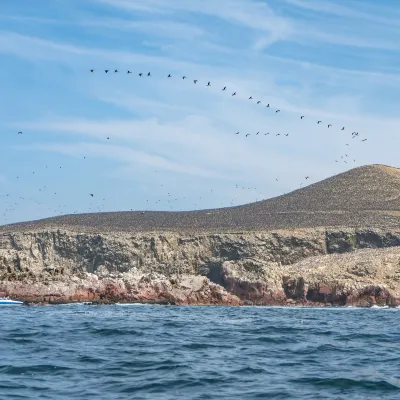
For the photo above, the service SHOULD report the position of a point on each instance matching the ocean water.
(166, 352)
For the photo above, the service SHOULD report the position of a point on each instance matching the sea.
(169, 352)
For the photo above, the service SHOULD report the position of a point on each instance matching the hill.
(367, 196)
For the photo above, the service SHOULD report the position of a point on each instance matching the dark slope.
(368, 196)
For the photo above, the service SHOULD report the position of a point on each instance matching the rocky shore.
(273, 252)
(359, 267)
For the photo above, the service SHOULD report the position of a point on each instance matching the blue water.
(161, 352)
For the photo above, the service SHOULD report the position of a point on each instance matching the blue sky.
(172, 143)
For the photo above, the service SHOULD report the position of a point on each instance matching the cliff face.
(282, 267)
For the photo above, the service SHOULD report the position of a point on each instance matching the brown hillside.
(367, 196)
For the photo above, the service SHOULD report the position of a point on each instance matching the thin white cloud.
(256, 15)
(24, 18)
(170, 29)
(344, 11)
(186, 131)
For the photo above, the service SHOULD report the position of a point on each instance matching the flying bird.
(129, 72)
(302, 117)
(286, 134)
(149, 74)
(342, 129)
(257, 133)
(258, 102)
(115, 71)
(91, 194)
(234, 94)
(250, 98)
(364, 140)
(329, 125)
(247, 134)
(237, 133)
(278, 111)
(106, 70)
(92, 70)
(140, 73)
(208, 84)
(195, 81)
(169, 76)
(319, 122)
(224, 88)
(184, 77)
(267, 105)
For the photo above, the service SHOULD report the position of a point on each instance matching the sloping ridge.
(367, 196)
(371, 187)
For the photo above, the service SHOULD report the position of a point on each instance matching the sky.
(159, 143)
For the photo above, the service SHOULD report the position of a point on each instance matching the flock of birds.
(224, 88)
(99, 205)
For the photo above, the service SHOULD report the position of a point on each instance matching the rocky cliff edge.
(303, 267)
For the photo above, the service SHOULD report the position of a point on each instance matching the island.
(333, 243)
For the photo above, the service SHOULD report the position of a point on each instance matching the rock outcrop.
(250, 254)
(303, 267)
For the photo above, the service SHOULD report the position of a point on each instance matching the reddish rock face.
(189, 292)
(260, 268)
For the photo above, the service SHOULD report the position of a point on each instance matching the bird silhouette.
(195, 81)
(92, 70)
(267, 105)
(247, 134)
(278, 111)
(329, 125)
(106, 71)
(286, 134)
(234, 94)
(208, 84)
(364, 140)
(342, 129)
(237, 133)
(250, 98)
(115, 71)
(224, 88)
(184, 77)
(129, 72)
(258, 102)
(307, 177)
(319, 122)
(257, 133)
(140, 74)
(302, 117)
(91, 194)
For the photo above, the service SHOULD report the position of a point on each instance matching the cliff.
(352, 266)
(334, 242)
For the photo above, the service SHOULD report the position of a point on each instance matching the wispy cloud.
(330, 61)
(161, 28)
(255, 15)
(354, 12)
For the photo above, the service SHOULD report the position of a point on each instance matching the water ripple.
(197, 353)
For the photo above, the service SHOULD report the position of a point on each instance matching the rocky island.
(335, 242)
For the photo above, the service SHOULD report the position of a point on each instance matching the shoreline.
(164, 304)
